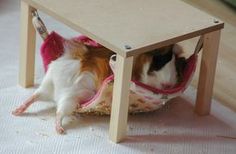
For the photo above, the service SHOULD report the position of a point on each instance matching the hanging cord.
(199, 45)
(39, 25)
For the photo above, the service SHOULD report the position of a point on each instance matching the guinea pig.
(159, 68)
(74, 77)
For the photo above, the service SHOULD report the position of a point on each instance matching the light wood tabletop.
(131, 27)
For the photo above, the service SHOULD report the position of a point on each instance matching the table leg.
(207, 73)
(120, 101)
(27, 47)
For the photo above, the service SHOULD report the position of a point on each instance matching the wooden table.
(128, 28)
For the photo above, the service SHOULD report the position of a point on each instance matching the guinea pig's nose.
(113, 57)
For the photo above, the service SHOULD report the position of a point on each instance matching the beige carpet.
(173, 129)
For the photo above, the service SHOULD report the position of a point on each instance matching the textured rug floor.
(173, 129)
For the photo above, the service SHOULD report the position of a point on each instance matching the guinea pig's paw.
(60, 130)
(18, 111)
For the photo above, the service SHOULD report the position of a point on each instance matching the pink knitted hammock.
(143, 98)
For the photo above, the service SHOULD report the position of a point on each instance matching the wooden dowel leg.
(207, 73)
(27, 47)
(120, 101)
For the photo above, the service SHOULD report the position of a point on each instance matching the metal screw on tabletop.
(128, 47)
(216, 21)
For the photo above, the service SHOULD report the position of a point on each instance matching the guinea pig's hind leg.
(43, 93)
(65, 107)
(59, 118)
(21, 109)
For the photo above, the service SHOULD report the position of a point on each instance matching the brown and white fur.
(72, 78)
(77, 75)
(157, 68)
